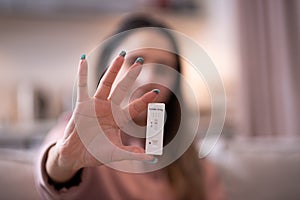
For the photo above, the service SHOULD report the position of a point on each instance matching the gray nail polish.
(157, 91)
(82, 57)
(123, 53)
(140, 60)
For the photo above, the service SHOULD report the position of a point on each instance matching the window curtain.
(269, 32)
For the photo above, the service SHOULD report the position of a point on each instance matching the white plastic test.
(155, 128)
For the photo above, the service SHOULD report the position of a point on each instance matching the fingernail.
(82, 57)
(139, 60)
(123, 53)
(157, 91)
(154, 161)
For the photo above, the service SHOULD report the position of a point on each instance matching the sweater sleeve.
(48, 190)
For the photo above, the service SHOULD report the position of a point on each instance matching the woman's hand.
(94, 127)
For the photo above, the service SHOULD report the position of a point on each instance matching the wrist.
(58, 169)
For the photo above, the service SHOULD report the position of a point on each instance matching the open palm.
(92, 136)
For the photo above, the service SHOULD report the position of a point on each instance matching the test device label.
(155, 128)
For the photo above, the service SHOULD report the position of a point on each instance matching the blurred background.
(254, 45)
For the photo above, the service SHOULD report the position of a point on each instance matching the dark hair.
(185, 174)
(141, 21)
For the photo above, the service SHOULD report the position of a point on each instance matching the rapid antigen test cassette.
(155, 128)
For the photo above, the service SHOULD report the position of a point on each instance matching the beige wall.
(41, 53)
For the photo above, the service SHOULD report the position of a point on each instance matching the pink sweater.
(105, 183)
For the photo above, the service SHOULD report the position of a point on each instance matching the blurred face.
(155, 73)
(159, 66)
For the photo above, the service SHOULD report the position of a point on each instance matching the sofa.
(259, 168)
(251, 169)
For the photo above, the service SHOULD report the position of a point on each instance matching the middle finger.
(127, 81)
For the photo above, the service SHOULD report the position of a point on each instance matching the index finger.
(139, 105)
(108, 79)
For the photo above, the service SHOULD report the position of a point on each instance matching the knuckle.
(123, 86)
(82, 84)
(131, 76)
(113, 72)
(107, 83)
(139, 107)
